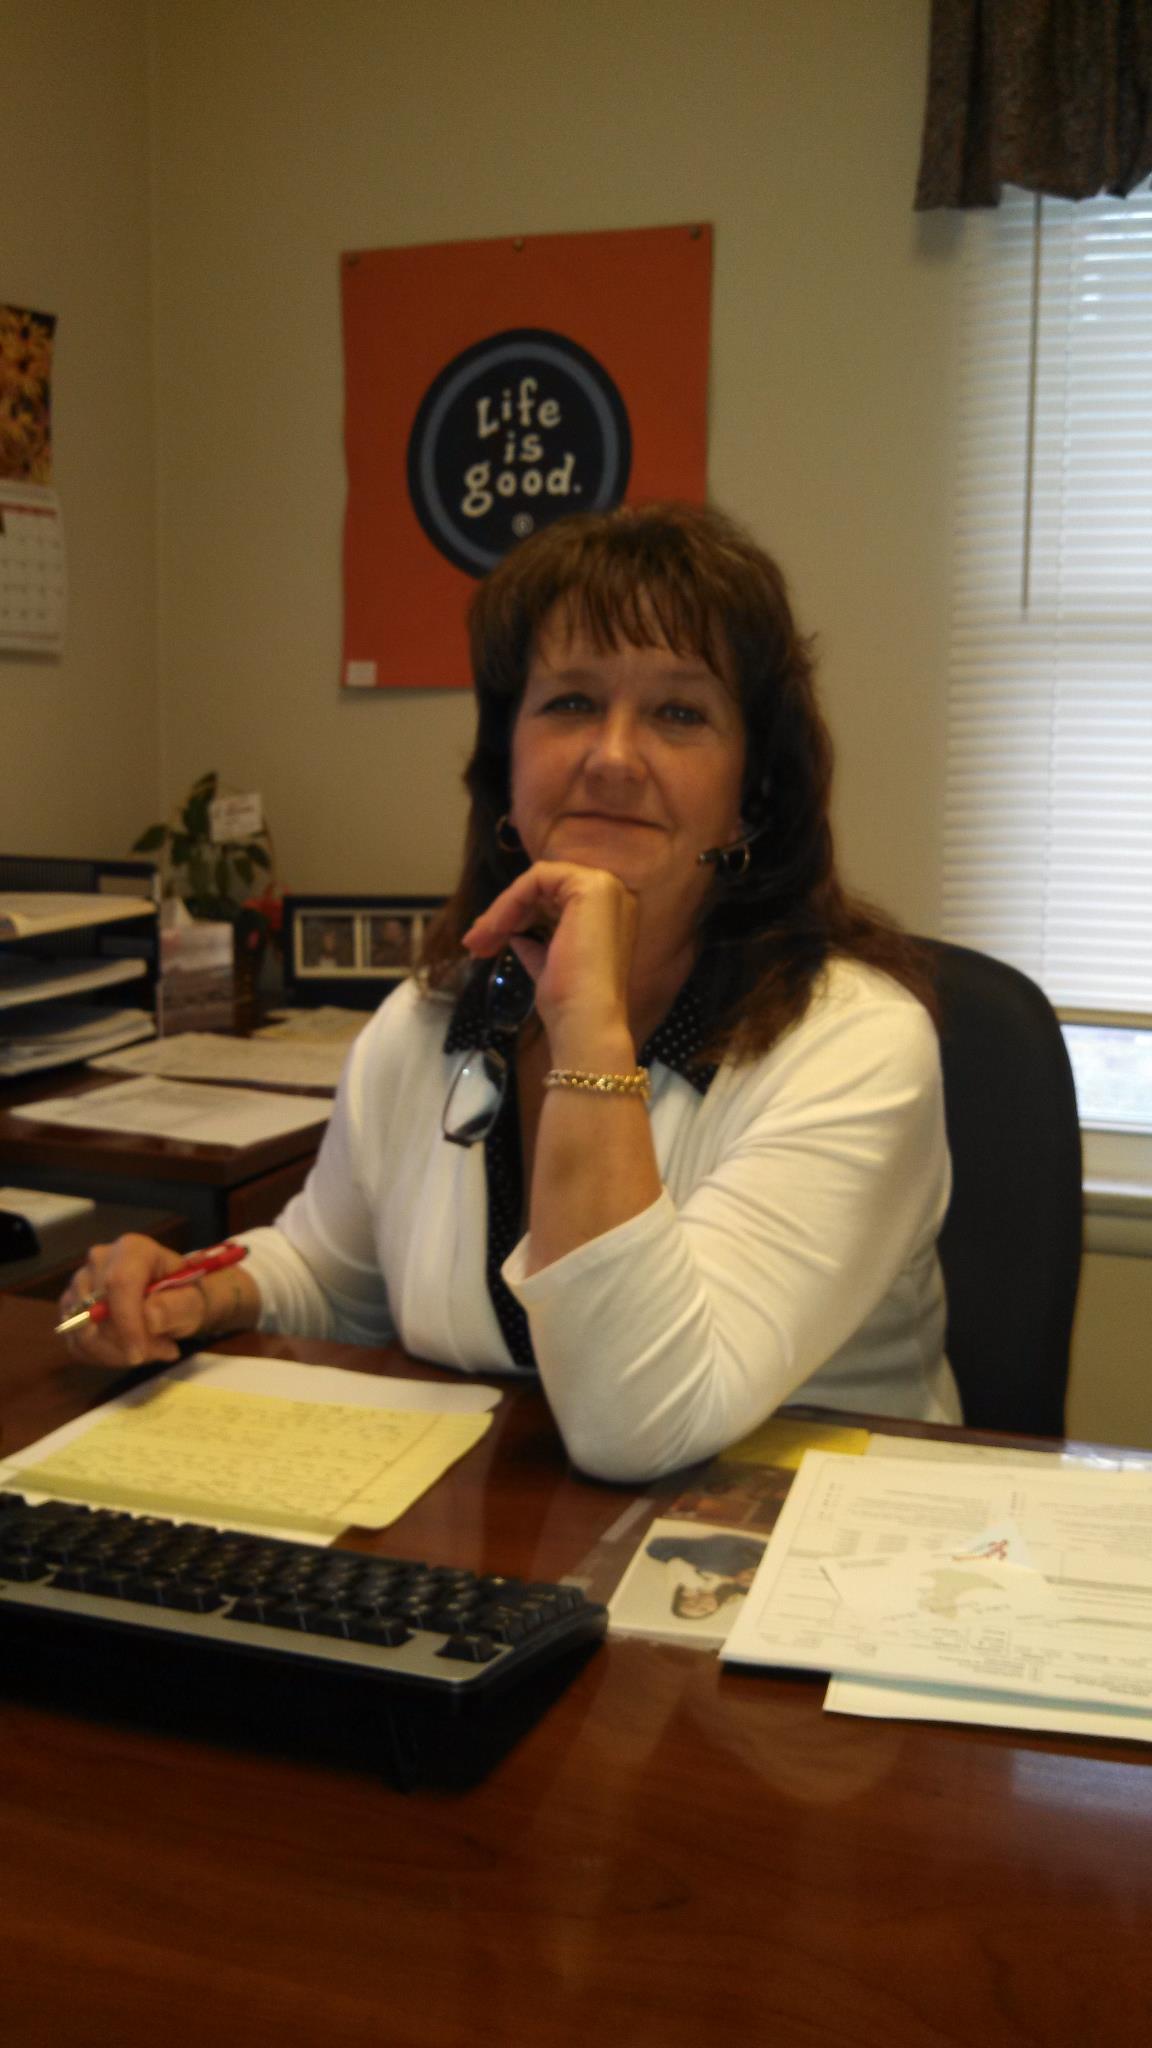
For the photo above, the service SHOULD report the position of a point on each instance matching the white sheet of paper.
(44, 1209)
(958, 1450)
(187, 1110)
(880, 1700)
(31, 981)
(327, 1021)
(954, 1451)
(41, 910)
(1088, 1533)
(210, 1056)
(235, 817)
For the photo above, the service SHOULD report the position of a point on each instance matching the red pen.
(94, 1307)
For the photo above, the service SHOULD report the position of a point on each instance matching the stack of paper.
(53, 1034)
(186, 1110)
(28, 913)
(23, 980)
(207, 1056)
(1014, 1594)
(326, 1021)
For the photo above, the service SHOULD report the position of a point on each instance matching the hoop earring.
(733, 863)
(507, 837)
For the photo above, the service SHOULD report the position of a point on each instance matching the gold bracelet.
(636, 1083)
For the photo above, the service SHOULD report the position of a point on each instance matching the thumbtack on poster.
(235, 817)
(360, 675)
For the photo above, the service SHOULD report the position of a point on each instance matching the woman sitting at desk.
(703, 1171)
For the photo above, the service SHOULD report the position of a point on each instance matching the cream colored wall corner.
(284, 136)
(78, 747)
(1110, 1390)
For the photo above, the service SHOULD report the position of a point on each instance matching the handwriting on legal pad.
(208, 1453)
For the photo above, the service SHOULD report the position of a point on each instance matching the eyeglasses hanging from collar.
(477, 1094)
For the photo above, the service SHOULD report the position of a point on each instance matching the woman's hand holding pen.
(139, 1327)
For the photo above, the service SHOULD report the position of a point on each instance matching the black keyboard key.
(113, 1584)
(451, 1615)
(71, 1579)
(505, 1625)
(187, 1597)
(386, 1631)
(284, 1614)
(470, 1649)
(538, 1611)
(331, 1621)
(149, 1588)
(23, 1571)
(250, 1607)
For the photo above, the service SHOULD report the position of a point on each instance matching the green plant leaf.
(244, 868)
(260, 856)
(195, 816)
(148, 841)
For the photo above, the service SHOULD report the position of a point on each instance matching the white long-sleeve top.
(791, 1252)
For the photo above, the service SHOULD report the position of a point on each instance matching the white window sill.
(1118, 1192)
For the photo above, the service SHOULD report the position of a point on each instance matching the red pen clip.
(94, 1309)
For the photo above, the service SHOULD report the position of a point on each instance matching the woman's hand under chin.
(582, 970)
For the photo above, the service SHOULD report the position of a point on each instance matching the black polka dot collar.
(676, 1043)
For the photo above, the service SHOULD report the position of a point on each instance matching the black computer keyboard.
(425, 1636)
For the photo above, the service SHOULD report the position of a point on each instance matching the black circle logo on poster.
(521, 429)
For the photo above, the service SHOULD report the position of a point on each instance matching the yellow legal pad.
(212, 1454)
(784, 1443)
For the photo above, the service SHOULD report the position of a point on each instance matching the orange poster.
(492, 387)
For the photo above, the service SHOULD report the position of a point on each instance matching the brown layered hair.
(689, 577)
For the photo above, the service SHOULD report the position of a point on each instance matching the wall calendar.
(33, 588)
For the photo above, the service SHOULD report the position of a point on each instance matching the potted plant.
(218, 880)
(212, 878)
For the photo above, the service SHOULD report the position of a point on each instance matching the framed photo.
(351, 949)
(326, 942)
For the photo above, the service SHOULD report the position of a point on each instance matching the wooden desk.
(673, 1857)
(220, 1188)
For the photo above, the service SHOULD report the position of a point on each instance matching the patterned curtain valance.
(1054, 95)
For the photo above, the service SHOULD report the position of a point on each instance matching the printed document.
(187, 1110)
(209, 1056)
(1032, 1580)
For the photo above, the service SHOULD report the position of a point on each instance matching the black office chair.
(1011, 1243)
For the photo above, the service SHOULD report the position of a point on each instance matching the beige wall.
(287, 133)
(283, 132)
(78, 763)
(1110, 1393)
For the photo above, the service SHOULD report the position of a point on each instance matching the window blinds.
(1048, 820)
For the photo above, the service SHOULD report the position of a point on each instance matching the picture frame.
(351, 950)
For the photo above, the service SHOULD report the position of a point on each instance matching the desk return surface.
(220, 1188)
(671, 1854)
